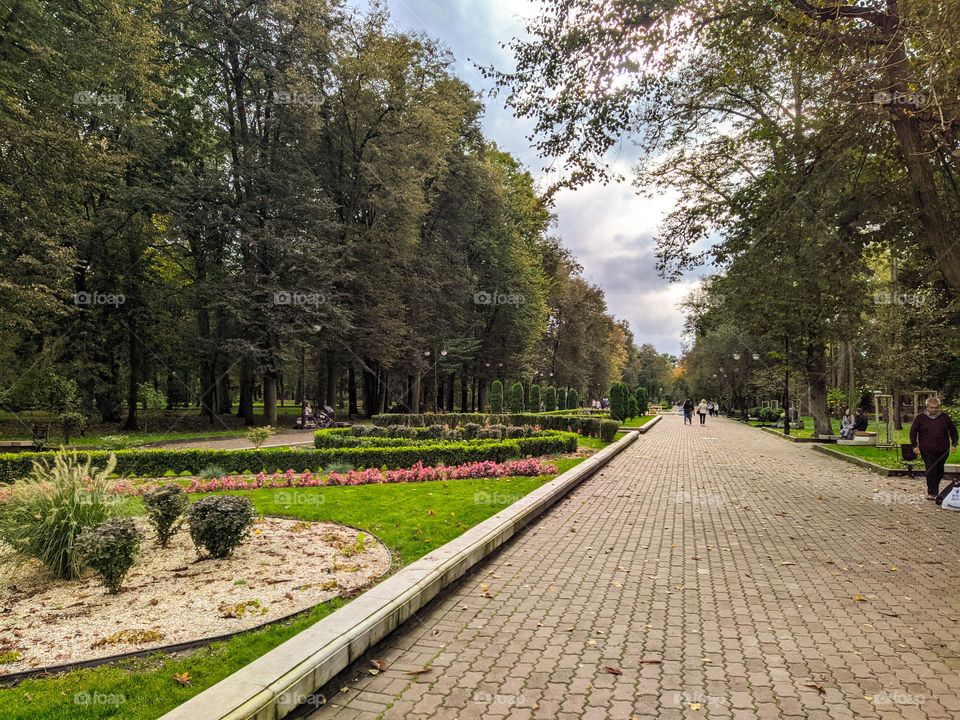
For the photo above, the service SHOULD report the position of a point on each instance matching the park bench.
(861, 437)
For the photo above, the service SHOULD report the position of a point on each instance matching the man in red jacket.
(933, 436)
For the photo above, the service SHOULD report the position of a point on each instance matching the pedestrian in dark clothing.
(933, 435)
(860, 421)
(688, 412)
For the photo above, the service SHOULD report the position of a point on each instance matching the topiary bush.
(561, 398)
(110, 549)
(48, 510)
(632, 411)
(516, 398)
(550, 399)
(496, 397)
(534, 398)
(643, 400)
(573, 400)
(619, 406)
(165, 508)
(220, 523)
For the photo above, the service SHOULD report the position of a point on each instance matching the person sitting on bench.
(860, 421)
(846, 425)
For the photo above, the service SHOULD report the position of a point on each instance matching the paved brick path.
(718, 572)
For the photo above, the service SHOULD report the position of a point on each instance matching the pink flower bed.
(530, 467)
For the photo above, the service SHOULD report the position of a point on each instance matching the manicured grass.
(886, 458)
(596, 443)
(637, 421)
(411, 519)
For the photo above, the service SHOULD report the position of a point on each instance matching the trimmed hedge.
(580, 424)
(157, 462)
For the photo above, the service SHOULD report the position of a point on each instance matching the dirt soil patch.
(173, 596)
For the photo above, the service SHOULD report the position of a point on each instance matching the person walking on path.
(702, 411)
(688, 412)
(933, 435)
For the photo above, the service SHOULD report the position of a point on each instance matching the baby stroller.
(324, 418)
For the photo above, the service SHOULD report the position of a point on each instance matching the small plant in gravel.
(118, 442)
(219, 523)
(110, 549)
(258, 435)
(165, 507)
(211, 472)
(44, 513)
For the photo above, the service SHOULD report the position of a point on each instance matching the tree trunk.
(331, 381)
(247, 379)
(384, 391)
(815, 368)
(482, 395)
(415, 394)
(352, 409)
(224, 401)
(463, 394)
(136, 373)
(270, 384)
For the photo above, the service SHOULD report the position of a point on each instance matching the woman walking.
(702, 411)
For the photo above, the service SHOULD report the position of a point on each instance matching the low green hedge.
(159, 462)
(580, 424)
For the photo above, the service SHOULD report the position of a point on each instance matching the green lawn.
(637, 421)
(411, 519)
(886, 458)
(596, 443)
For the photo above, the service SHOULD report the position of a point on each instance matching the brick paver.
(714, 572)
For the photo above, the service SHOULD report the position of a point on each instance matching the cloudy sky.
(609, 229)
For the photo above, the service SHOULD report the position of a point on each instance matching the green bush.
(516, 398)
(47, 510)
(219, 523)
(110, 549)
(561, 398)
(619, 405)
(496, 397)
(258, 435)
(534, 398)
(573, 400)
(643, 400)
(550, 399)
(165, 506)
(590, 424)
(631, 407)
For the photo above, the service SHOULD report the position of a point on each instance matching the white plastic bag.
(952, 500)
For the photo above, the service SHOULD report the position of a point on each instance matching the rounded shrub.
(573, 400)
(110, 549)
(165, 507)
(534, 398)
(632, 410)
(561, 398)
(643, 400)
(496, 397)
(218, 524)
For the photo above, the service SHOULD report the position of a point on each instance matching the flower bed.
(160, 462)
(530, 467)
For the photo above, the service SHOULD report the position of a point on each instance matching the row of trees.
(814, 147)
(233, 201)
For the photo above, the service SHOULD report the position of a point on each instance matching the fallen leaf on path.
(650, 662)
(420, 671)
(380, 665)
(815, 686)
(859, 598)
(613, 670)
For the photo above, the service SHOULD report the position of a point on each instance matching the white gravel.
(171, 596)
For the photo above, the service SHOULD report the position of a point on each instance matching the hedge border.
(156, 463)
(581, 424)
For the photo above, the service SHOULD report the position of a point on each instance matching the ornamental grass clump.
(165, 507)
(45, 512)
(110, 549)
(220, 524)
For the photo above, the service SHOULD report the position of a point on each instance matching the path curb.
(643, 428)
(879, 469)
(791, 438)
(282, 679)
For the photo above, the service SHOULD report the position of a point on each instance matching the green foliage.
(561, 398)
(631, 406)
(48, 510)
(619, 405)
(72, 424)
(643, 401)
(550, 399)
(117, 442)
(534, 398)
(259, 435)
(151, 399)
(110, 549)
(573, 400)
(218, 524)
(516, 398)
(496, 397)
(165, 507)
(588, 424)
(211, 472)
